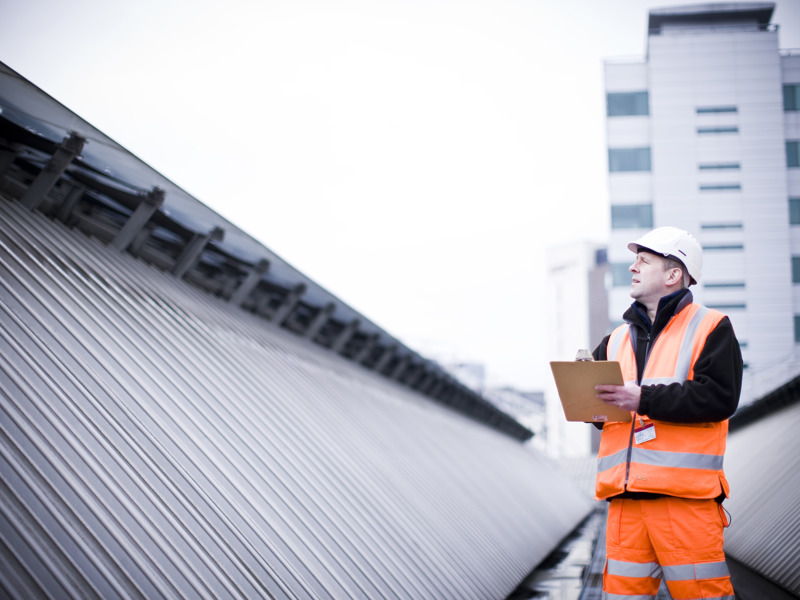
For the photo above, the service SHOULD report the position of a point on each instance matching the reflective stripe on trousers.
(607, 596)
(674, 539)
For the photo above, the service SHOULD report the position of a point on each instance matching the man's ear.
(675, 276)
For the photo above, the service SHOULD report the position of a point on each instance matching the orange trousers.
(676, 539)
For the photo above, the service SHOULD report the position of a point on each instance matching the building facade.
(577, 312)
(704, 134)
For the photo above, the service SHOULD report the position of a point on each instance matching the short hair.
(670, 262)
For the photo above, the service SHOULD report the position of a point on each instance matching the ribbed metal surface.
(54, 162)
(158, 442)
(763, 465)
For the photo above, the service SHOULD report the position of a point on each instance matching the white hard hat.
(675, 243)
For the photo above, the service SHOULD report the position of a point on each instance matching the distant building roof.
(712, 13)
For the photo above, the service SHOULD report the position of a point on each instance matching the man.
(662, 473)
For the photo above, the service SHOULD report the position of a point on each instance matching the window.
(721, 226)
(709, 187)
(717, 166)
(796, 269)
(797, 329)
(731, 129)
(724, 285)
(793, 153)
(791, 96)
(716, 109)
(735, 306)
(627, 103)
(723, 247)
(628, 159)
(620, 275)
(632, 216)
(794, 211)
(601, 257)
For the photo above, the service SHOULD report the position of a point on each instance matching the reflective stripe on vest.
(679, 460)
(683, 460)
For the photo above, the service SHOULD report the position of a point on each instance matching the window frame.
(642, 220)
(718, 129)
(632, 108)
(640, 155)
(616, 271)
(794, 211)
(791, 99)
(792, 153)
(731, 166)
(720, 187)
(712, 110)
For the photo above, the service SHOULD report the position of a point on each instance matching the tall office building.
(577, 312)
(704, 134)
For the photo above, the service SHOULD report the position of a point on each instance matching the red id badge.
(645, 433)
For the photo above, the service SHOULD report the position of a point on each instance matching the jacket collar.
(668, 307)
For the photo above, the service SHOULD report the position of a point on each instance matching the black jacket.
(713, 394)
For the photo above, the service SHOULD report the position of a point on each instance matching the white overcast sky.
(414, 157)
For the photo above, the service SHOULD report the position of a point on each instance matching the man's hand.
(626, 397)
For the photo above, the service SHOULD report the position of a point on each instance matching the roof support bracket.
(398, 371)
(387, 355)
(369, 344)
(149, 205)
(288, 304)
(68, 205)
(425, 384)
(250, 282)
(191, 253)
(52, 171)
(319, 320)
(344, 335)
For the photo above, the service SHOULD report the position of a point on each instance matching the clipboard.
(575, 381)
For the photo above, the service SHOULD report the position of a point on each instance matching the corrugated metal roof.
(158, 441)
(54, 162)
(763, 466)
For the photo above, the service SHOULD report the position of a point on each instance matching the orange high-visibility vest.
(684, 459)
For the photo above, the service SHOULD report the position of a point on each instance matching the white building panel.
(626, 76)
(793, 183)
(630, 188)
(791, 124)
(719, 266)
(629, 132)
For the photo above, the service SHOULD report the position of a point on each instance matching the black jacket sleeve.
(601, 352)
(712, 395)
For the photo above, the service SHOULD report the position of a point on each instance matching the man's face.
(649, 281)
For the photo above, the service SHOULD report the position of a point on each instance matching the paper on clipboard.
(575, 381)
